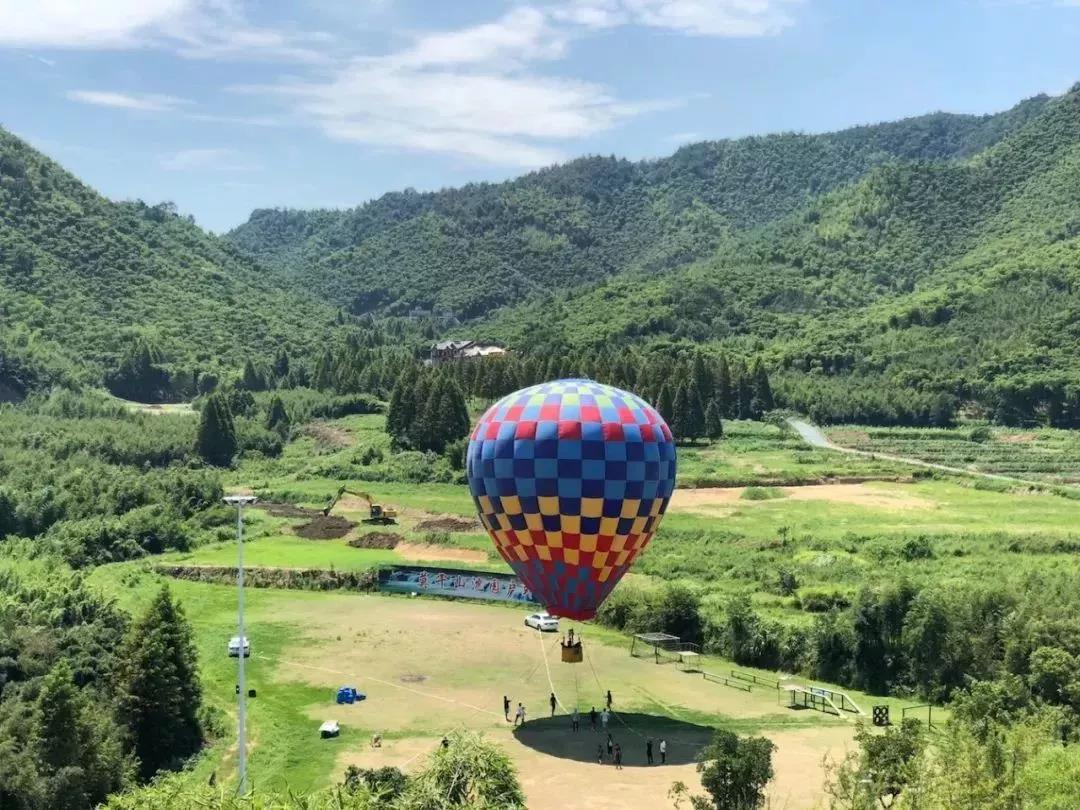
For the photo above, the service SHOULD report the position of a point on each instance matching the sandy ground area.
(419, 552)
(431, 667)
(714, 500)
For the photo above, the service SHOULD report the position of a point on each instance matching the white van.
(234, 647)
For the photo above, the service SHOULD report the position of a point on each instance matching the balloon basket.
(572, 653)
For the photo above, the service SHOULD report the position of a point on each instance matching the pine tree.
(252, 379)
(277, 418)
(724, 391)
(281, 365)
(702, 376)
(694, 420)
(665, 403)
(216, 440)
(688, 415)
(762, 390)
(680, 415)
(323, 379)
(78, 748)
(401, 410)
(158, 687)
(744, 392)
(714, 426)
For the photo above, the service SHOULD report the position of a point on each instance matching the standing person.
(592, 718)
(599, 754)
(506, 708)
(520, 715)
(575, 720)
(605, 715)
(609, 699)
(552, 701)
(663, 751)
(648, 751)
(618, 757)
(610, 746)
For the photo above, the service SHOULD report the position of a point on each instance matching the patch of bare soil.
(420, 552)
(859, 495)
(688, 499)
(287, 510)
(848, 437)
(710, 501)
(328, 435)
(325, 527)
(383, 540)
(1019, 438)
(448, 523)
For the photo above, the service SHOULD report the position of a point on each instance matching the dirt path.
(812, 434)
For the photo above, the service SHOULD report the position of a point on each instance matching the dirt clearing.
(449, 523)
(471, 655)
(325, 527)
(327, 435)
(287, 510)
(383, 540)
(420, 552)
(718, 500)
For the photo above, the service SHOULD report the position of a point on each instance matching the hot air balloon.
(571, 479)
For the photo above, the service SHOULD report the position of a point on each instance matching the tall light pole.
(240, 501)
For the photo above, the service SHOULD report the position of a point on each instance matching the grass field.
(429, 667)
(834, 537)
(835, 522)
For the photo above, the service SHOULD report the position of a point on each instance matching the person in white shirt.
(663, 751)
(605, 715)
(520, 716)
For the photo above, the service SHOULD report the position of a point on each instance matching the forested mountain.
(958, 277)
(86, 283)
(473, 249)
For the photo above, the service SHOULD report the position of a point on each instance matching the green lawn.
(305, 644)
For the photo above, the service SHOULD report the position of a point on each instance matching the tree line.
(91, 701)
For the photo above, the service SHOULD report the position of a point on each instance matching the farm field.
(305, 645)
(1039, 454)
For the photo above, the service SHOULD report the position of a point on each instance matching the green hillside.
(483, 246)
(82, 278)
(960, 278)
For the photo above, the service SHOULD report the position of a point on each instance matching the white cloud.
(717, 18)
(468, 92)
(151, 102)
(87, 24)
(216, 159)
(522, 35)
(196, 29)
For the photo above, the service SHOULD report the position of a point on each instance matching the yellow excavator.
(377, 512)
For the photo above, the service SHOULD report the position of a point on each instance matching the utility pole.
(240, 501)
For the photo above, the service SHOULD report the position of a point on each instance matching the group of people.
(598, 721)
(519, 715)
(614, 752)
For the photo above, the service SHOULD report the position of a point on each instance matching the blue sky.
(223, 106)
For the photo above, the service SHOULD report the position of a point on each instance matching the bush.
(820, 601)
(980, 434)
(761, 494)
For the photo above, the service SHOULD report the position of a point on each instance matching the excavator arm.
(376, 511)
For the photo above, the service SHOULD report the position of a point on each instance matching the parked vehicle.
(234, 647)
(543, 621)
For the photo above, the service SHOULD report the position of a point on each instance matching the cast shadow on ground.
(553, 736)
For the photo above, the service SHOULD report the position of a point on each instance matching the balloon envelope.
(571, 479)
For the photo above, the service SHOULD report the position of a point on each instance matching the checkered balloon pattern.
(571, 479)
